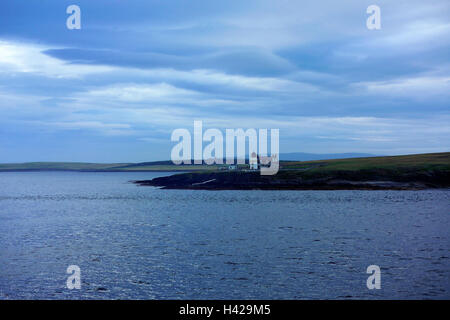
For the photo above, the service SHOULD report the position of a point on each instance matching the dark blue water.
(142, 242)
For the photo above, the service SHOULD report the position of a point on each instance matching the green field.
(429, 161)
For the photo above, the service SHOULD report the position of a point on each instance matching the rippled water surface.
(142, 242)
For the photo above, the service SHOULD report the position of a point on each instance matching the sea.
(136, 242)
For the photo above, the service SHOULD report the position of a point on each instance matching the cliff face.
(375, 179)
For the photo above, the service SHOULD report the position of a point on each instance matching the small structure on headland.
(253, 161)
(266, 161)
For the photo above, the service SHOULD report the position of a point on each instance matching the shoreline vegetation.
(408, 172)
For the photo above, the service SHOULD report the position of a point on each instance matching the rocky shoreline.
(300, 180)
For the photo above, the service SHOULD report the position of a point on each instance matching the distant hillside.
(59, 166)
(106, 167)
(413, 162)
(301, 156)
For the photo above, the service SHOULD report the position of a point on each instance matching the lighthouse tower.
(253, 161)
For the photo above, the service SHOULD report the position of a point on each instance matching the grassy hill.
(428, 161)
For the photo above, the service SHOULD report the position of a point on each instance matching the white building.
(253, 161)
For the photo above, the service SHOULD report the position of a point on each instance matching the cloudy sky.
(137, 70)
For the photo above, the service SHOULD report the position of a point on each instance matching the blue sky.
(116, 89)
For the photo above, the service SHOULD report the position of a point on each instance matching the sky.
(114, 90)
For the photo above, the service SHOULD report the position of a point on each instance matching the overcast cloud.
(115, 90)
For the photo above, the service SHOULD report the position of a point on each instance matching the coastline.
(300, 180)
